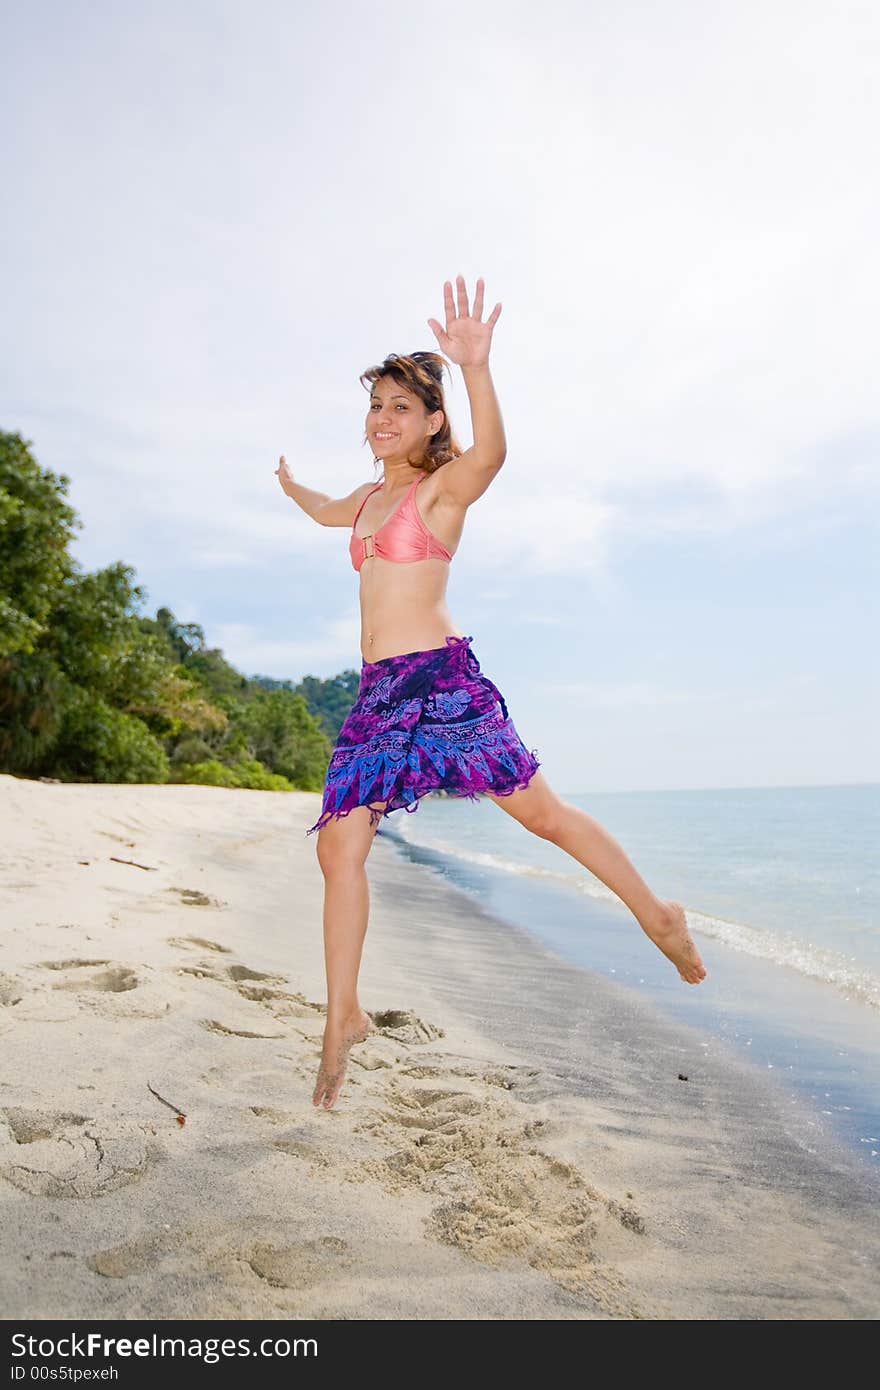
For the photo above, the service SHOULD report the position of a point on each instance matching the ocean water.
(782, 892)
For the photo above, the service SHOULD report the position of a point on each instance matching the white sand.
(452, 1179)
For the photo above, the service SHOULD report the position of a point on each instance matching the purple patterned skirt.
(423, 722)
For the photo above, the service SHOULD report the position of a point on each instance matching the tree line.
(94, 690)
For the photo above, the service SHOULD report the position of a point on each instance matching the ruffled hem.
(377, 813)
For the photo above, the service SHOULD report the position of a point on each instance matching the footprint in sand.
(51, 1153)
(74, 963)
(279, 1003)
(194, 897)
(301, 1264)
(405, 1026)
(237, 973)
(301, 1142)
(11, 990)
(185, 943)
(138, 1256)
(290, 1266)
(103, 987)
(433, 1110)
(256, 986)
(230, 974)
(251, 985)
(117, 979)
(504, 1198)
(507, 1076)
(213, 1025)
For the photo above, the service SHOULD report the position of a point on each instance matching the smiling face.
(398, 424)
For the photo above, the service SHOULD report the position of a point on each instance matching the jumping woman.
(425, 717)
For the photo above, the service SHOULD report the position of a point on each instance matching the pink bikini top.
(403, 537)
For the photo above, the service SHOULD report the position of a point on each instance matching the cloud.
(336, 647)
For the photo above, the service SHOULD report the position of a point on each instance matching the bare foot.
(334, 1055)
(671, 935)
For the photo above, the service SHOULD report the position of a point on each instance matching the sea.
(781, 887)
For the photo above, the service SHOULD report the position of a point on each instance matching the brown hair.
(421, 373)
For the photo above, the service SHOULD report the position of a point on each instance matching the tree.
(36, 526)
(91, 689)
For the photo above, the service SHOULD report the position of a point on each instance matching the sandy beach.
(517, 1139)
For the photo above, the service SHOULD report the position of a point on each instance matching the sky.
(219, 215)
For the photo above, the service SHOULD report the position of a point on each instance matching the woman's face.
(398, 425)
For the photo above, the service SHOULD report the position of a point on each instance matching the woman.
(425, 718)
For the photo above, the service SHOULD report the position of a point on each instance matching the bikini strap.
(361, 507)
(410, 490)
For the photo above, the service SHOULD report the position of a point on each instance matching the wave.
(852, 979)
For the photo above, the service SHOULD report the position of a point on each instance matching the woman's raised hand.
(283, 473)
(466, 340)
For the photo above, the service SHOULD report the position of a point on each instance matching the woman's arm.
(327, 511)
(304, 497)
(466, 341)
(466, 478)
(490, 444)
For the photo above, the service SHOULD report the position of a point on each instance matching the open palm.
(466, 340)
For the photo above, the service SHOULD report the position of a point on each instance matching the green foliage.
(214, 672)
(250, 774)
(179, 639)
(276, 728)
(330, 700)
(36, 526)
(94, 634)
(191, 749)
(209, 774)
(33, 694)
(98, 743)
(93, 690)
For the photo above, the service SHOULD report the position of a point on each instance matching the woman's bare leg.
(541, 810)
(343, 846)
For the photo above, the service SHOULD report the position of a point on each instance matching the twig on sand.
(181, 1117)
(151, 867)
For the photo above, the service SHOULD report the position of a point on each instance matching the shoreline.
(485, 1160)
(820, 1045)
